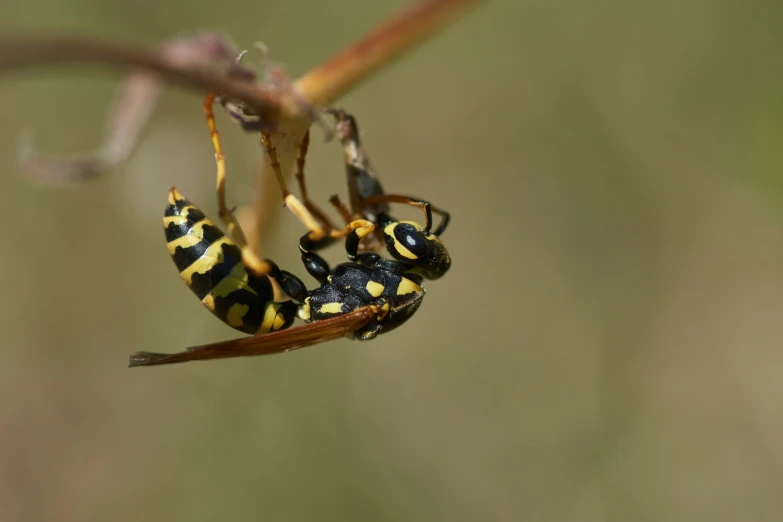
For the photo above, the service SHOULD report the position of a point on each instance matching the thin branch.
(378, 48)
(26, 51)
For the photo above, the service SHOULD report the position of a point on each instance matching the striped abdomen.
(211, 265)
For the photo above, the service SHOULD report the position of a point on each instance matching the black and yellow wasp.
(359, 299)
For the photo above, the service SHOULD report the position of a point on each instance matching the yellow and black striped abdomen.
(211, 265)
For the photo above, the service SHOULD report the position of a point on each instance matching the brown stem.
(329, 81)
(25, 51)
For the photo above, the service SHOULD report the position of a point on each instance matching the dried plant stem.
(378, 48)
(26, 51)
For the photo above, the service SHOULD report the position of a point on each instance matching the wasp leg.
(225, 215)
(315, 265)
(343, 210)
(354, 232)
(289, 283)
(317, 236)
(312, 208)
(321, 231)
(271, 151)
(259, 267)
(362, 182)
(347, 130)
(426, 207)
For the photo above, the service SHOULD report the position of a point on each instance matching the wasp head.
(407, 241)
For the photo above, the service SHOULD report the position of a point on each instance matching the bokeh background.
(606, 347)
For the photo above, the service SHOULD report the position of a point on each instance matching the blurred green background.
(606, 346)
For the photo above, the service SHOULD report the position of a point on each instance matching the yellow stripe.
(270, 318)
(177, 220)
(279, 322)
(213, 256)
(404, 252)
(237, 279)
(407, 286)
(192, 238)
(375, 289)
(399, 247)
(185, 241)
(235, 314)
(331, 308)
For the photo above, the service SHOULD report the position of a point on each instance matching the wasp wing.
(275, 342)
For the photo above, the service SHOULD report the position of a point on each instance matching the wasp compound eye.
(407, 241)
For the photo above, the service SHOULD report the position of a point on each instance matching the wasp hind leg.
(316, 212)
(321, 231)
(258, 266)
(341, 208)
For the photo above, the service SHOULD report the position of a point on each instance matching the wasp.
(359, 299)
